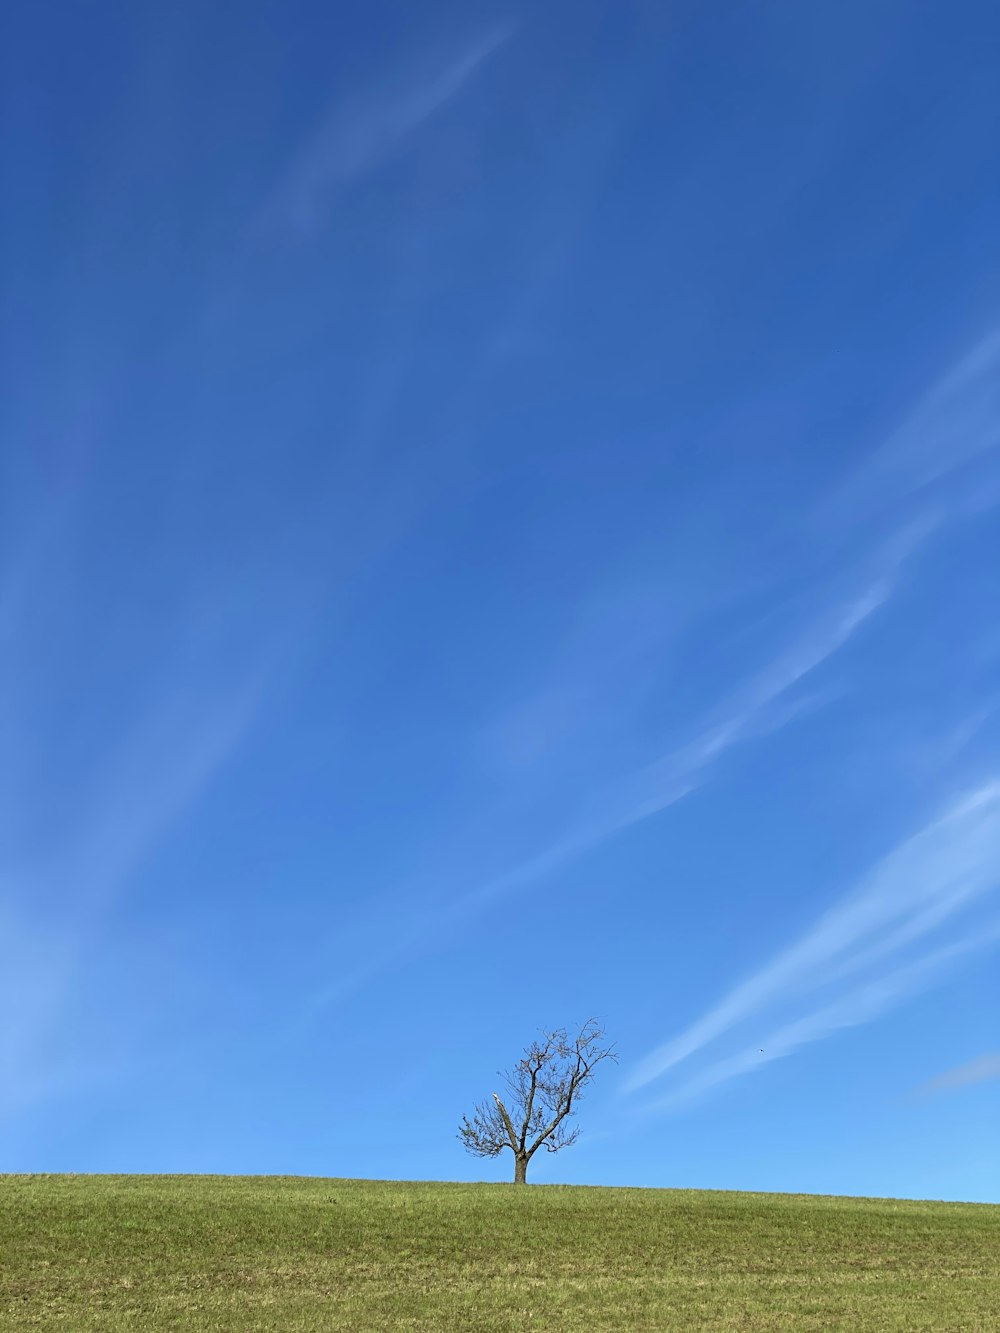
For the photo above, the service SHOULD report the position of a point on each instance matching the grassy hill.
(205, 1253)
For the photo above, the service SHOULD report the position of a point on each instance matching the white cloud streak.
(161, 771)
(168, 761)
(358, 136)
(950, 425)
(955, 860)
(201, 702)
(748, 714)
(928, 879)
(762, 705)
(863, 1004)
(981, 1070)
(753, 711)
(35, 966)
(956, 423)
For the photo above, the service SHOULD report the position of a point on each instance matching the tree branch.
(507, 1123)
(526, 1124)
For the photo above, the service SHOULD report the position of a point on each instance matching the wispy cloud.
(958, 420)
(764, 703)
(156, 754)
(927, 880)
(36, 963)
(168, 761)
(358, 135)
(956, 423)
(161, 770)
(863, 1004)
(982, 1070)
(752, 711)
(747, 714)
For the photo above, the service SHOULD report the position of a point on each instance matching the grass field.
(263, 1253)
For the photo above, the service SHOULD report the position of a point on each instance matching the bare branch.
(530, 1101)
(484, 1135)
(508, 1126)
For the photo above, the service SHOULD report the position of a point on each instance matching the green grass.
(262, 1253)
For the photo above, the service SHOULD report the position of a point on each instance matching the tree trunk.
(520, 1169)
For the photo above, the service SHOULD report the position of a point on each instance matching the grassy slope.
(262, 1253)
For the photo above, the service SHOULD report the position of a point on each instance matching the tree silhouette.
(543, 1089)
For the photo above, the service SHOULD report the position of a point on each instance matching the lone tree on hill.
(544, 1088)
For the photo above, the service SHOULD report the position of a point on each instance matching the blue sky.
(499, 524)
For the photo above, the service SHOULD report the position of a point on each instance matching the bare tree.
(543, 1090)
